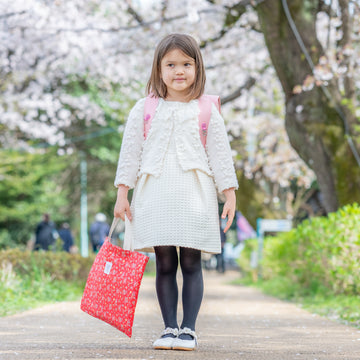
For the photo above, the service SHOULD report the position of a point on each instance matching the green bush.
(321, 254)
(58, 265)
(244, 260)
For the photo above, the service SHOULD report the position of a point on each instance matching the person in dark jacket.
(66, 236)
(99, 231)
(45, 234)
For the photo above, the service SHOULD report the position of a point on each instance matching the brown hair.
(188, 46)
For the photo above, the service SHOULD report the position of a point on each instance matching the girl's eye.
(187, 64)
(170, 65)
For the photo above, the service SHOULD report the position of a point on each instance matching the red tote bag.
(112, 287)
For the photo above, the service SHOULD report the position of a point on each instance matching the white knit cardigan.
(139, 156)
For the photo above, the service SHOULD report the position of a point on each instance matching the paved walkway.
(234, 323)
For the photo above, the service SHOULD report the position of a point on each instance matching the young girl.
(174, 206)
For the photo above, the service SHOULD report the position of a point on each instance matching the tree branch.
(7, 15)
(250, 82)
(134, 14)
(221, 33)
(326, 8)
(233, 14)
(164, 8)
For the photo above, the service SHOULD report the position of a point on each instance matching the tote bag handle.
(127, 244)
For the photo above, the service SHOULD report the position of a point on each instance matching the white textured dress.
(174, 178)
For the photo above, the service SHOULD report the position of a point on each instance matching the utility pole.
(83, 207)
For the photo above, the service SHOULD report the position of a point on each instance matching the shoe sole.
(183, 348)
(162, 348)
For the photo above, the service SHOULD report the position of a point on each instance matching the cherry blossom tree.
(51, 49)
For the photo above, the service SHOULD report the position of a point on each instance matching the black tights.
(167, 289)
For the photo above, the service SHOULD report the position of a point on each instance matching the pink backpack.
(151, 103)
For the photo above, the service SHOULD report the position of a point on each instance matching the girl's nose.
(179, 70)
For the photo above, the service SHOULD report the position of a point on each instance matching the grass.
(342, 308)
(339, 307)
(22, 293)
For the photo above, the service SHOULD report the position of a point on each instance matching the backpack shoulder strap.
(215, 100)
(151, 103)
(205, 104)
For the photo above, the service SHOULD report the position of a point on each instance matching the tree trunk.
(313, 125)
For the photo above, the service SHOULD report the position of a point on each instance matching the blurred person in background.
(99, 230)
(45, 234)
(67, 238)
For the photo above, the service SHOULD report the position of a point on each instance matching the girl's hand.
(229, 207)
(122, 205)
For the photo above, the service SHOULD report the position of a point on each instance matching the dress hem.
(152, 250)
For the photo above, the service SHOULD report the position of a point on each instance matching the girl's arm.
(229, 207)
(122, 205)
(131, 147)
(221, 163)
(219, 153)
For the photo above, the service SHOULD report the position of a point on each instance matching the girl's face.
(178, 74)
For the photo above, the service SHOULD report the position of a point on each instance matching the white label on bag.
(107, 269)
